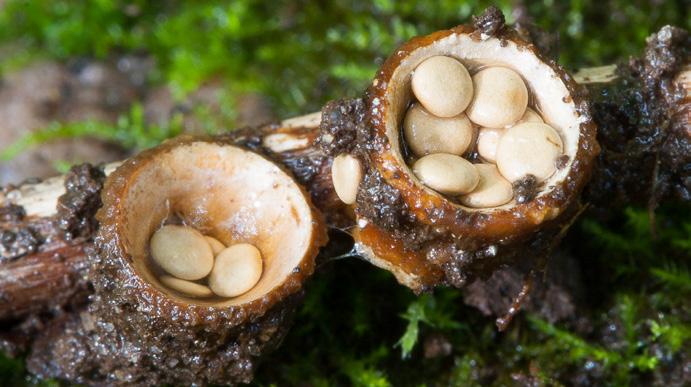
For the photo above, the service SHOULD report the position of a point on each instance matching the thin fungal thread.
(504, 321)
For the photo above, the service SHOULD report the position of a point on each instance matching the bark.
(45, 280)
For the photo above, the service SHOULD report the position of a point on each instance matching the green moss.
(674, 276)
(302, 53)
(131, 131)
(436, 312)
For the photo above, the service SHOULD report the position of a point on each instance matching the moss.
(280, 48)
(131, 131)
(638, 331)
(435, 312)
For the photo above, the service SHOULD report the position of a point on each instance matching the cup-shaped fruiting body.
(429, 235)
(181, 331)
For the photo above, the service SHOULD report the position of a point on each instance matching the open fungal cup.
(533, 124)
(165, 204)
(217, 190)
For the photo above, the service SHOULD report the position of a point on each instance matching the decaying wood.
(51, 274)
(50, 278)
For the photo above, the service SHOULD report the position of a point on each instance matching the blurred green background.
(300, 53)
(358, 327)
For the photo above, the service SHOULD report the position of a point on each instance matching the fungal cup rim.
(400, 79)
(389, 95)
(155, 168)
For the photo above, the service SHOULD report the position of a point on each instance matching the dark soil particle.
(379, 202)
(21, 235)
(18, 242)
(12, 213)
(78, 205)
(490, 22)
(340, 125)
(525, 189)
(562, 162)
